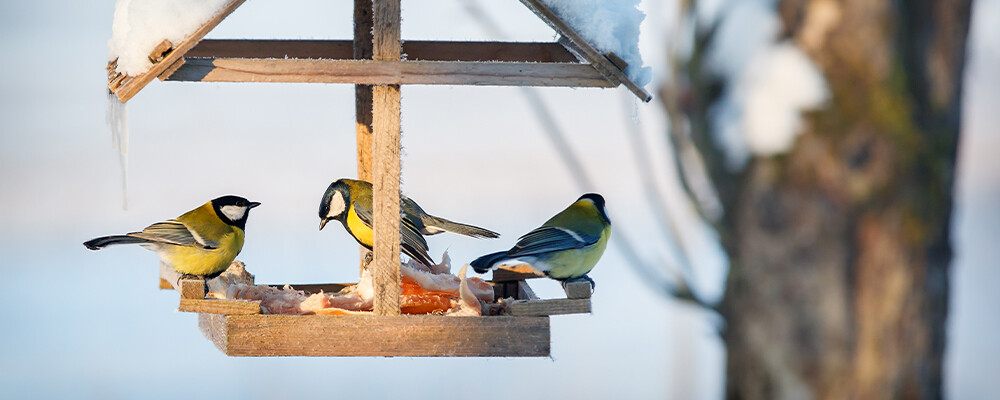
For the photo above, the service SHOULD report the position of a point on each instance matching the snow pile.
(140, 25)
(609, 25)
(769, 83)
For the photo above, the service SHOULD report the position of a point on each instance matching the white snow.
(140, 25)
(610, 26)
(117, 118)
(769, 84)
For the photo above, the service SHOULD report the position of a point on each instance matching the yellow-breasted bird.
(350, 202)
(201, 242)
(565, 248)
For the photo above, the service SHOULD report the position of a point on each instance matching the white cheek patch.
(337, 205)
(234, 213)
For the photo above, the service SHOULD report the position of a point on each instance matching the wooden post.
(385, 162)
(363, 98)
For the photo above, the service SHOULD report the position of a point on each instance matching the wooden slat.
(217, 306)
(403, 336)
(413, 50)
(386, 46)
(586, 50)
(171, 69)
(549, 307)
(389, 73)
(132, 86)
(516, 273)
(577, 290)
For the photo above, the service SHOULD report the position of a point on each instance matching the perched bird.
(350, 202)
(201, 242)
(565, 248)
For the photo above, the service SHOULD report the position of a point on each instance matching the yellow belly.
(577, 262)
(197, 261)
(361, 232)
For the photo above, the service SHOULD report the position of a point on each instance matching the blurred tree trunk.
(840, 249)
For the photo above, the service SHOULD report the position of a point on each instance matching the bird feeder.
(374, 62)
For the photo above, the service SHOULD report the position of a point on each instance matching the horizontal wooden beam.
(380, 336)
(414, 50)
(218, 306)
(534, 308)
(369, 72)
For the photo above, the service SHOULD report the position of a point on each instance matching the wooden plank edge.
(577, 289)
(608, 69)
(413, 50)
(378, 336)
(370, 72)
(523, 308)
(132, 86)
(218, 306)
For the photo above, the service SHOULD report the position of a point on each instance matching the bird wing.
(550, 238)
(174, 232)
(409, 233)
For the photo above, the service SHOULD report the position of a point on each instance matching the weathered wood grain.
(370, 72)
(385, 162)
(412, 49)
(577, 290)
(549, 307)
(218, 306)
(586, 50)
(386, 336)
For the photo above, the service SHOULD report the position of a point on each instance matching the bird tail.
(433, 225)
(487, 262)
(102, 242)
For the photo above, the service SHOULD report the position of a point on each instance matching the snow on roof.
(610, 26)
(140, 25)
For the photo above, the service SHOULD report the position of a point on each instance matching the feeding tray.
(518, 328)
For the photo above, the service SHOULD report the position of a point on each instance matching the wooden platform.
(381, 336)
(519, 326)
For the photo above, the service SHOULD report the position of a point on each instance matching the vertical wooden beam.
(385, 162)
(363, 98)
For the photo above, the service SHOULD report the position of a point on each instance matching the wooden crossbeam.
(413, 50)
(370, 72)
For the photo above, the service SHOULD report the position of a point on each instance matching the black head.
(598, 201)
(334, 202)
(233, 210)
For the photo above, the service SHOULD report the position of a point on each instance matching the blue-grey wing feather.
(546, 239)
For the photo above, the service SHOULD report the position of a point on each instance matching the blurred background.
(84, 324)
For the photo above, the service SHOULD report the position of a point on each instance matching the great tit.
(350, 202)
(565, 248)
(201, 242)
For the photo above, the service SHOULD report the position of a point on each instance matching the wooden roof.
(572, 62)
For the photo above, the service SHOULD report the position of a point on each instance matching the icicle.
(635, 110)
(117, 118)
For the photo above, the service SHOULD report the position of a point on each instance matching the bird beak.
(322, 223)
(252, 204)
